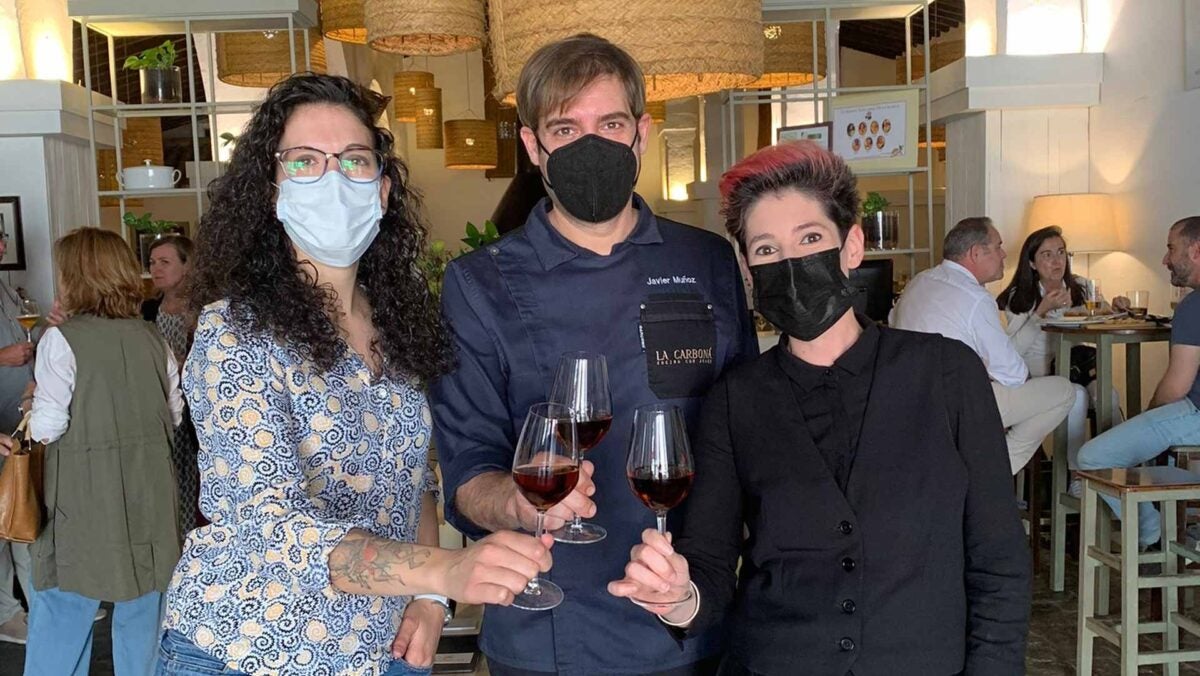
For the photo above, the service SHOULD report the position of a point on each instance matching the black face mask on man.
(592, 178)
(803, 296)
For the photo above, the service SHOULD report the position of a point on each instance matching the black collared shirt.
(833, 399)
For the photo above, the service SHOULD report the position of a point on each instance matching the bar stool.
(1131, 487)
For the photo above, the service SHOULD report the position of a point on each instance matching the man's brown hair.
(557, 72)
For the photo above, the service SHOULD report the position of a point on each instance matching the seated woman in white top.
(1042, 287)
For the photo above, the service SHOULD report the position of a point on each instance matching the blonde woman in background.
(106, 402)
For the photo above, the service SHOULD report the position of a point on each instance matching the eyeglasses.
(307, 165)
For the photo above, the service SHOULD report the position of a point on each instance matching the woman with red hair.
(867, 465)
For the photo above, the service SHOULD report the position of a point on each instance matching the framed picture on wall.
(10, 226)
(876, 130)
(820, 133)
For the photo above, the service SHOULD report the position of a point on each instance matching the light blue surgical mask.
(332, 220)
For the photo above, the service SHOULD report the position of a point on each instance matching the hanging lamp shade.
(405, 85)
(433, 27)
(470, 144)
(685, 47)
(260, 59)
(343, 20)
(788, 55)
(428, 104)
(657, 111)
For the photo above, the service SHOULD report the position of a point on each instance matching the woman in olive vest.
(106, 403)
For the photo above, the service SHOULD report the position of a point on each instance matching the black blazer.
(919, 568)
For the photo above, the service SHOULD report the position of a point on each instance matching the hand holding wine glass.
(545, 469)
(660, 472)
(581, 384)
(656, 571)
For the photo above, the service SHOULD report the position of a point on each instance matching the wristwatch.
(446, 604)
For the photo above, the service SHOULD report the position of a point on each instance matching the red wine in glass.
(581, 384)
(546, 470)
(661, 490)
(660, 468)
(591, 432)
(545, 486)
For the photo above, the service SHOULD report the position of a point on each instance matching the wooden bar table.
(1103, 337)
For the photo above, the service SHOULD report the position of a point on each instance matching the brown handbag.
(21, 488)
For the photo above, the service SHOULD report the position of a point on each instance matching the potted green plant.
(436, 257)
(881, 226)
(160, 77)
(148, 230)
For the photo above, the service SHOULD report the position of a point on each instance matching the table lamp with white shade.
(1086, 221)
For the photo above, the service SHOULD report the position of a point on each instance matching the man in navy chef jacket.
(591, 270)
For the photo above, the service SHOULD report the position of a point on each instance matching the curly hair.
(244, 256)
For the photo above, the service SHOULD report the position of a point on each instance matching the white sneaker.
(15, 630)
(100, 615)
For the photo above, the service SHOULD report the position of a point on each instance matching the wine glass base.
(663, 605)
(548, 596)
(586, 534)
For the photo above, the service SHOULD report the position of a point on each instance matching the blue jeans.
(180, 657)
(1138, 440)
(60, 633)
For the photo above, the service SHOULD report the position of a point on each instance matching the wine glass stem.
(534, 588)
(577, 523)
(661, 517)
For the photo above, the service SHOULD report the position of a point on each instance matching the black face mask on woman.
(804, 296)
(592, 178)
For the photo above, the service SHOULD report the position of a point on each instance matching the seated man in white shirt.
(950, 299)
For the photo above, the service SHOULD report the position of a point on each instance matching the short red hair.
(796, 165)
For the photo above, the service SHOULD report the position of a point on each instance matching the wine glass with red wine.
(581, 384)
(660, 467)
(546, 469)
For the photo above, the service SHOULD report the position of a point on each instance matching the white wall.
(1145, 150)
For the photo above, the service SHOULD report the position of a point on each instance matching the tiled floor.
(1051, 640)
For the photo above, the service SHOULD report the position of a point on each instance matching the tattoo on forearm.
(374, 563)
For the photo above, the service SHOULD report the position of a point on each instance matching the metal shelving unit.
(127, 18)
(821, 92)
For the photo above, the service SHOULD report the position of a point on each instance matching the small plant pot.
(881, 229)
(161, 85)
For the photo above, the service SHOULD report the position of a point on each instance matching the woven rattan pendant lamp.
(404, 93)
(657, 111)
(428, 103)
(433, 27)
(788, 55)
(685, 47)
(343, 20)
(471, 143)
(260, 59)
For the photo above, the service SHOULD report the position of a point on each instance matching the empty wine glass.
(581, 384)
(28, 315)
(545, 469)
(660, 468)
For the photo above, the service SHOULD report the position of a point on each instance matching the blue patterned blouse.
(291, 458)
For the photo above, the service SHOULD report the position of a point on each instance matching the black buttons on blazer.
(846, 644)
(848, 564)
(846, 527)
(848, 606)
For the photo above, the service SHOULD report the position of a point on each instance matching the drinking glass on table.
(581, 385)
(660, 468)
(545, 469)
(1092, 297)
(1139, 303)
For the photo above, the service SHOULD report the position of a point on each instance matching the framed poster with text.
(876, 130)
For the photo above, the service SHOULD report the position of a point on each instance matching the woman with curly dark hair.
(316, 336)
